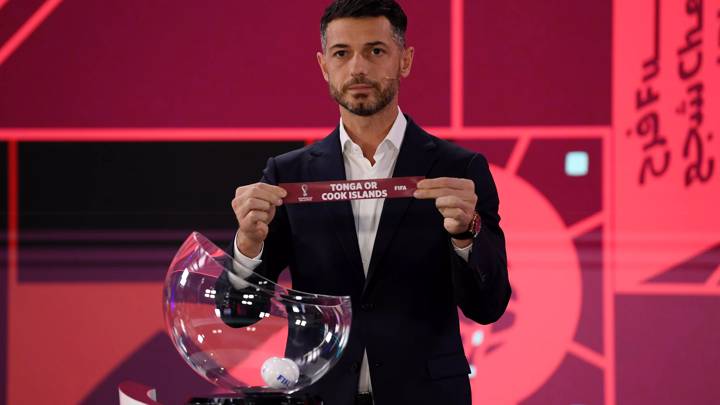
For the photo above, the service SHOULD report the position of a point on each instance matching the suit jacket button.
(368, 306)
(355, 367)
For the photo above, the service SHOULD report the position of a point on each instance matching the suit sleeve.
(481, 285)
(277, 251)
(275, 257)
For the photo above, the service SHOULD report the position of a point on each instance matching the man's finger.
(272, 197)
(454, 213)
(258, 228)
(262, 189)
(256, 192)
(276, 190)
(259, 216)
(238, 202)
(253, 204)
(454, 202)
(446, 182)
(465, 194)
(253, 223)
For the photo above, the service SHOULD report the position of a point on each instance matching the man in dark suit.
(407, 263)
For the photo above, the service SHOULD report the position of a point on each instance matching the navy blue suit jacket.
(405, 311)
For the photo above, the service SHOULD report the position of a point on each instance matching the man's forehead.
(361, 30)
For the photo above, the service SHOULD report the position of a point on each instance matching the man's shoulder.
(292, 156)
(300, 154)
(446, 149)
(452, 150)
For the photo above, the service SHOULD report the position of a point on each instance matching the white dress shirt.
(366, 212)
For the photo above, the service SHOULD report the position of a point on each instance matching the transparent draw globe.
(245, 333)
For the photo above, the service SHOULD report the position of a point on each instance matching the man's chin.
(362, 110)
(363, 113)
(363, 105)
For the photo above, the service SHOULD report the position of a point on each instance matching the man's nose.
(358, 65)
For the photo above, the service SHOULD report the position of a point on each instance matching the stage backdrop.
(126, 125)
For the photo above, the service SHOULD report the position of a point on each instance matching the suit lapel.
(416, 158)
(327, 164)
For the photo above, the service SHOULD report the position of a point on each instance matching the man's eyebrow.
(367, 45)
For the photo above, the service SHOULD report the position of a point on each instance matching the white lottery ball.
(280, 372)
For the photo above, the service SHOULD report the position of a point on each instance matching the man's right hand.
(254, 206)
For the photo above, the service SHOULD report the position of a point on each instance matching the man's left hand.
(455, 198)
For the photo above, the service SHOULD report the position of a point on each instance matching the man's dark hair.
(389, 9)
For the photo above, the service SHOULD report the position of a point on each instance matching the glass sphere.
(243, 332)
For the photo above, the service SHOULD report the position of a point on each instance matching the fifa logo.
(282, 380)
(304, 189)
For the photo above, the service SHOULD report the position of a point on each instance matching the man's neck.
(368, 132)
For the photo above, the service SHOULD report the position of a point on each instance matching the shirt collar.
(394, 137)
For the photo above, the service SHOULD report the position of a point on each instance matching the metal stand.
(258, 399)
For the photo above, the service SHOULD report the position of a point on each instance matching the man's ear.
(323, 67)
(406, 62)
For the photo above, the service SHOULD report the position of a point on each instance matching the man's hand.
(455, 198)
(254, 206)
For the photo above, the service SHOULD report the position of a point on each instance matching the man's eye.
(340, 54)
(378, 51)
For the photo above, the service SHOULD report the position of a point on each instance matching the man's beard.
(365, 108)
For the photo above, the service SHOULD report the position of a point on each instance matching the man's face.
(363, 63)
